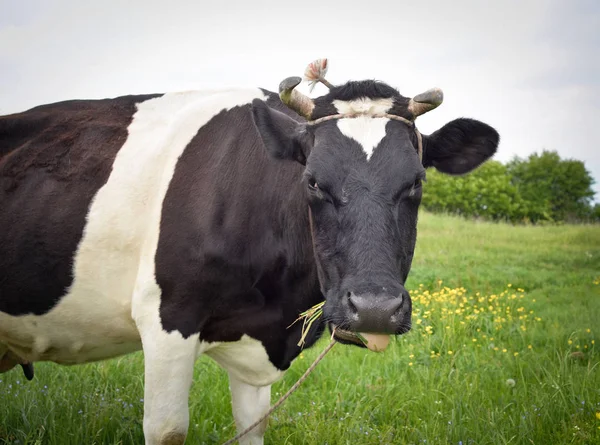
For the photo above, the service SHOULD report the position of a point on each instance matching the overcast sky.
(531, 69)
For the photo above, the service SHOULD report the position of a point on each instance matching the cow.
(204, 222)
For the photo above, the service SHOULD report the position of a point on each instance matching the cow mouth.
(373, 342)
(346, 337)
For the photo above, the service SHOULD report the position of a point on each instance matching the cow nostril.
(400, 306)
(395, 306)
(351, 304)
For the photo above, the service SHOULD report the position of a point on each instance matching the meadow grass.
(504, 350)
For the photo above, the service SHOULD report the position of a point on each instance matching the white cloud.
(528, 68)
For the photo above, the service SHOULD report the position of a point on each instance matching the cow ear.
(460, 146)
(284, 138)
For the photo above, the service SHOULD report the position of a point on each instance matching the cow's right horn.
(301, 104)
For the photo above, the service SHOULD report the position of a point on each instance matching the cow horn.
(424, 102)
(301, 104)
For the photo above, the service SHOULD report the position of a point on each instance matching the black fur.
(460, 146)
(27, 370)
(283, 137)
(371, 89)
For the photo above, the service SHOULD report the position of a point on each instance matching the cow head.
(363, 178)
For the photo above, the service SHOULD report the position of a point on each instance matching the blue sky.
(529, 68)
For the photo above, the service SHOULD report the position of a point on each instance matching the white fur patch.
(245, 360)
(365, 130)
(248, 404)
(115, 257)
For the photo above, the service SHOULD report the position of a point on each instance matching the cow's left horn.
(424, 102)
(301, 104)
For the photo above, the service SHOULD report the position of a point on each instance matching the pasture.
(504, 350)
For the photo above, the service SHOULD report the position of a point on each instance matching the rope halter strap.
(375, 116)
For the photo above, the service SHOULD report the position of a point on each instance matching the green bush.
(541, 188)
(486, 192)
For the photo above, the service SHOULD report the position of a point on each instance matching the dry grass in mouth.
(309, 316)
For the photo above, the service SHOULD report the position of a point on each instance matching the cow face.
(363, 179)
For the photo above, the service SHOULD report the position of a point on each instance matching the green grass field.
(504, 350)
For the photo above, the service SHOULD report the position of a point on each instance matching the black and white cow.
(205, 222)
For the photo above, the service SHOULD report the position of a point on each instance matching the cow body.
(161, 223)
(93, 242)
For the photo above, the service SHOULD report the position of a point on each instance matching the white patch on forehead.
(365, 130)
(364, 105)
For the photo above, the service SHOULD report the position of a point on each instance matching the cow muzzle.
(381, 314)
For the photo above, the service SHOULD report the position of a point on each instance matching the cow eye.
(319, 192)
(416, 186)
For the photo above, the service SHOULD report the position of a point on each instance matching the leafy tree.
(595, 216)
(556, 189)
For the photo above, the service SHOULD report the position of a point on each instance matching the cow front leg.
(168, 369)
(249, 403)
